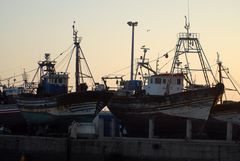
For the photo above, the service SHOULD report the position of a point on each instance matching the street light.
(133, 24)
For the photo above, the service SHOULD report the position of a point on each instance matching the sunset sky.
(30, 28)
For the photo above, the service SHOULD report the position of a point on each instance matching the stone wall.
(115, 149)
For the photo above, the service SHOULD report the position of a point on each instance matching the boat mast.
(76, 41)
(188, 44)
(143, 62)
(219, 69)
(219, 63)
(224, 74)
(81, 85)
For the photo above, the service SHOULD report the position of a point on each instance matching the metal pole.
(76, 43)
(132, 24)
(77, 67)
(132, 52)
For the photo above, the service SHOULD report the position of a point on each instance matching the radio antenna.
(187, 21)
(188, 13)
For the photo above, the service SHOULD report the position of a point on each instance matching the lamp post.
(133, 24)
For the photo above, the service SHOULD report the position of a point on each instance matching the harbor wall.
(115, 149)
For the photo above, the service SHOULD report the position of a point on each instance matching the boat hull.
(56, 114)
(11, 118)
(61, 110)
(169, 112)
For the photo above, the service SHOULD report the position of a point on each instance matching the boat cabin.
(157, 84)
(13, 91)
(53, 84)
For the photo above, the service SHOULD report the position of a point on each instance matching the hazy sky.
(30, 28)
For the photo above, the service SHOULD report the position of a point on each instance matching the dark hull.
(168, 112)
(61, 110)
(11, 118)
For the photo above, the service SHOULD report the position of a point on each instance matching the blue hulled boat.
(53, 104)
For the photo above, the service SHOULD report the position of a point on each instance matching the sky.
(30, 28)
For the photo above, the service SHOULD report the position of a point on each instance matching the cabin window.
(178, 81)
(147, 82)
(60, 80)
(158, 80)
(55, 80)
(64, 81)
(164, 81)
(151, 81)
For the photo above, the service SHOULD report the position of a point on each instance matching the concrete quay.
(115, 149)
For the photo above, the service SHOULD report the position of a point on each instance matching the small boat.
(53, 105)
(168, 99)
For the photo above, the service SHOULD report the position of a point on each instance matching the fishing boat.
(53, 105)
(168, 99)
(227, 110)
(224, 118)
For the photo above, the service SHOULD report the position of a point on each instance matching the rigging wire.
(60, 64)
(18, 75)
(149, 62)
(166, 64)
(91, 76)
(120, 70)
(64, 58)
(63, 52)
(234, 80)
(70, 59)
